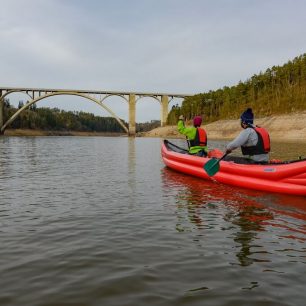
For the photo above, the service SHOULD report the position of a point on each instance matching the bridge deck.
(102, 92)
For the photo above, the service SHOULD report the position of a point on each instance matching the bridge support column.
(164, 110)
(132, 115)
(1, 112)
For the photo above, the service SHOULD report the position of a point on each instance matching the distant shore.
(29, 132)
(290, 127)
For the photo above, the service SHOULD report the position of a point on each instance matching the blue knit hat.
(247, 116)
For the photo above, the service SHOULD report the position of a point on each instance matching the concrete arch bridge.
(37, 94)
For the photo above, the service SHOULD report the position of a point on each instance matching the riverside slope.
(289, 127)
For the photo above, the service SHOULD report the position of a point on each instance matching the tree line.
(54, 119)
(278, 90)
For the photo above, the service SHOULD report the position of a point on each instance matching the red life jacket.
(263, 143)
(200, 139)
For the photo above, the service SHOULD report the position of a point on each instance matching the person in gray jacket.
(253, 140)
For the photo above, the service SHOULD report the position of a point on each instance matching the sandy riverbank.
(291, 127)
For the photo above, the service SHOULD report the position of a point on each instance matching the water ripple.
(83, 223)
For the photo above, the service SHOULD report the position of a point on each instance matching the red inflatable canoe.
(287, 177)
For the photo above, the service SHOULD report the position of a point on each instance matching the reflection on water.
(246, 214)
(131, 167)
(248, 220)
(101, 221)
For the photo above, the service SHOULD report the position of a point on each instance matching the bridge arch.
(130, 97)
(114, 95)
(15, 91)
(35, 100)
(149, 96)
(149, 106)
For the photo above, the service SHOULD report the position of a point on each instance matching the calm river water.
(101, 221)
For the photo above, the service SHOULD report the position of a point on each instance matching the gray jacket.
(248, 137)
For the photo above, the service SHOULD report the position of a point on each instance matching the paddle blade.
(212, 166)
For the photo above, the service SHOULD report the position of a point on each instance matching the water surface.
(101, 221)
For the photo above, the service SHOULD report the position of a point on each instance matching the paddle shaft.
(172, 144)
(224, 155)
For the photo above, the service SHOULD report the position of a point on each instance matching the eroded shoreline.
(290, 127)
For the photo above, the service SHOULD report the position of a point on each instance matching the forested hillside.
(278, 90)
(58, 120)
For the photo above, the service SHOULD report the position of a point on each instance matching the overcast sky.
(173, 46)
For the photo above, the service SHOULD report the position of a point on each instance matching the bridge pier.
(132, 115)
(164, 109)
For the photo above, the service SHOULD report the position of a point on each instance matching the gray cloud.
(155, 45)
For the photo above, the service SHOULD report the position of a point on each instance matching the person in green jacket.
(196, 136)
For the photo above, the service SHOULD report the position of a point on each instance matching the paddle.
(213, 166)
(188, 142)
(172, 144)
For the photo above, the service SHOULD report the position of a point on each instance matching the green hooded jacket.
(190, 132)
